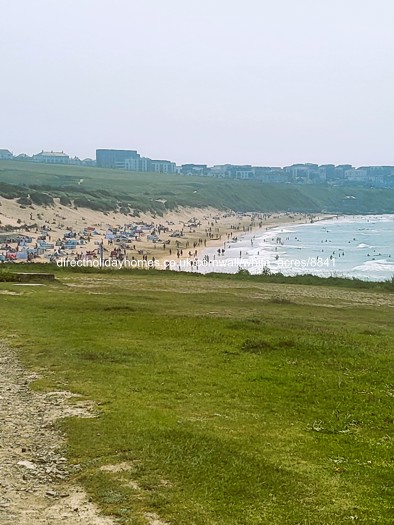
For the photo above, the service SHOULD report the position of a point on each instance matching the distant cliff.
(108, 190)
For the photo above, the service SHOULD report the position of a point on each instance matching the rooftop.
(52, 154)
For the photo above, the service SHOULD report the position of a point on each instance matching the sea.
(348, 246)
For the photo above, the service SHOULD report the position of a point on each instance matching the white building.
(221, 170)
(145, 164)
(163, 166)
(138, 164)
(52, 157)
(6, 155)
(356, 175)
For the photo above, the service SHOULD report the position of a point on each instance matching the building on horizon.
(270, 175)
(89, 162)
(52, 157)
(145, 164)
(5, 154)
(163, 166)
(233, 171)
(221, 170)
(23, 156)
(341, 169)
(194, 169)
(75, 161)
(114, 158)
(138, 164)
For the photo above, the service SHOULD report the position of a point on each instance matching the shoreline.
(184, 238)
(365, 258)
(269, 228)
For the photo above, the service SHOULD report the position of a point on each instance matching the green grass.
(107, 190)
(8, 272)
(234, 401)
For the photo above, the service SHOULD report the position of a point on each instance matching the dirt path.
(34, 486)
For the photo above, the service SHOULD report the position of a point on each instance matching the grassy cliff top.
(110, 189)
(217, 404)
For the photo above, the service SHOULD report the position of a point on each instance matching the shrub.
(41, 199)
(24, 201)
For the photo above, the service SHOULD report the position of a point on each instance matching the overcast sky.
(264, 82)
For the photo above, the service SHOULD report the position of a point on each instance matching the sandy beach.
(185, 233)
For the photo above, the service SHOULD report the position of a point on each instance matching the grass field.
(109, 189)
(230, 401)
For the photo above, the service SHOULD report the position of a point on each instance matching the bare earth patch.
(153, 519)
(119, 467)
(34, 477)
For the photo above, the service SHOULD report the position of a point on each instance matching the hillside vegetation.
(108, 190)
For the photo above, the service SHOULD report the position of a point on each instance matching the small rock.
(27, 464)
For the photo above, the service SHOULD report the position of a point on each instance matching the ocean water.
(356, 246)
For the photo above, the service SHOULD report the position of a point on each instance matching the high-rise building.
(114, 158)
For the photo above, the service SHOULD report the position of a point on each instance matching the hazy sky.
(265, 82)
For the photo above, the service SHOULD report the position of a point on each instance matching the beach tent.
(45, 245)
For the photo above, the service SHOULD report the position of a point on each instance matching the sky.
(262, 82)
